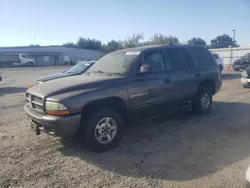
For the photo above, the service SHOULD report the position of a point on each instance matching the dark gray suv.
(123, 84)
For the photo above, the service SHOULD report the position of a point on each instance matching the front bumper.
(54, 125)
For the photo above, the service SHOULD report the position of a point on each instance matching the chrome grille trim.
(35, 102)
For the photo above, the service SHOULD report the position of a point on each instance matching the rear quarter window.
(202, 56)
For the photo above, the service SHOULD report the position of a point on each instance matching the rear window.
(202, 56)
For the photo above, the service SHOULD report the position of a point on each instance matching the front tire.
(104, 130)
(203, 101)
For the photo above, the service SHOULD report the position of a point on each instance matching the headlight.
(54, 108)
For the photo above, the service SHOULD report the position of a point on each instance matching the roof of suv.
(141, 48)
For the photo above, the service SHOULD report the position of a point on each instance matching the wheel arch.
(209, 83)
(113, 102)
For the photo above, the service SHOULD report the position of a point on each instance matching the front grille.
(35, 102)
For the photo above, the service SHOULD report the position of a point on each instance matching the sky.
(54, 22)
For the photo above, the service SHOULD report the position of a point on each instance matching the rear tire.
(203, 101)
(104, 130)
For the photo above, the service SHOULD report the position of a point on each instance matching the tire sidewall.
(89, 132)
(197, 103)
(206, 90)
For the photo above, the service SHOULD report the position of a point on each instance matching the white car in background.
(219, 61)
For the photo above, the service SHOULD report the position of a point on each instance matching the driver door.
(149, 89)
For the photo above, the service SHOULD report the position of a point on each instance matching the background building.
(54, 55)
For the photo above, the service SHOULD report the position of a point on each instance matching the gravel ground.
(177, 150)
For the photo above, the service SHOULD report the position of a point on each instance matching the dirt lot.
(178, 150)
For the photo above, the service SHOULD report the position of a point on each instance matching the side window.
(155, 60)
(202, 56)
(189, 59)
(178, 58)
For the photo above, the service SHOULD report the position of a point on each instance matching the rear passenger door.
(184, 75)
(204, 62)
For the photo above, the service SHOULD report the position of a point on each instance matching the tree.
(223, 41)
(197, 41)
(133, 41)
(172, 40)
(159, 38)
(70, 44)
(34, 45)
(112, 46)
(91, 44)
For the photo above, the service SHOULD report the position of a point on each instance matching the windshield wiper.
(101, 72)
(106, 73)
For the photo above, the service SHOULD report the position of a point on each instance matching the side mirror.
(145, 69)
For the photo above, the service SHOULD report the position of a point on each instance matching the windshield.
(79, 68)
(245, 56)
(115, 63)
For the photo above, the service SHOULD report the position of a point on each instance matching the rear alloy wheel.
(203, 101)
(104, 130)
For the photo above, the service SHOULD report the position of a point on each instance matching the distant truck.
(15, 59)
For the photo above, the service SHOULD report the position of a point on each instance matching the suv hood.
(70, 84)
(55, 76)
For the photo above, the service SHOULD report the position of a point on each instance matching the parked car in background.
(219, 61)
(78, 69)
(127, 83)
(245, 78)
(242, 63)
(15, 59)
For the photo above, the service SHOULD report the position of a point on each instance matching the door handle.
(166, 80)
(197, 75)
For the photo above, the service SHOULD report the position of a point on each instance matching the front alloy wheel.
(105, 130)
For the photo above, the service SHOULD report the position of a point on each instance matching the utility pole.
(35, 41)
(234, 34)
